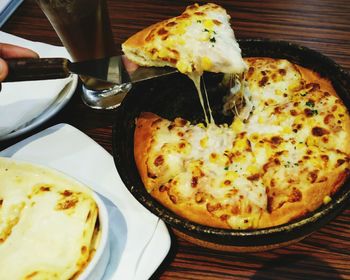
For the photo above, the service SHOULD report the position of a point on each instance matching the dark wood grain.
(323, 25)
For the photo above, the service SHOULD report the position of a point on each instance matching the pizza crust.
(189, 210)
(142, 141)
(133, 47)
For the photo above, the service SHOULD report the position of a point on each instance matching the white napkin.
(21, 102)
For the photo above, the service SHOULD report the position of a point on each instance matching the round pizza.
(284, 159)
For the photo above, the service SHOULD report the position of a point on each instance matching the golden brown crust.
(308, 195)
(136, 50)
(142, 141)
(139, 39)
(189, 209)
(313, 77)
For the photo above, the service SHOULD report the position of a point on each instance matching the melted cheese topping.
(47, 223)
(296, 131)
(204, 41)
(203, 97)
(210, 44)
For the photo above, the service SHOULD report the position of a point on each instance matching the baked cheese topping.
(200, 39)
(47, 223)
(289, 156)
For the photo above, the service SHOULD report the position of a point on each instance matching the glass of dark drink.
(84, 28)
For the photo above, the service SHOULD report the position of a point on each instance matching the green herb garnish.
(310, 104)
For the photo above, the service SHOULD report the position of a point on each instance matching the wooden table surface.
(323, 25)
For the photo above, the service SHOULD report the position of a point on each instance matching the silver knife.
(110, 69)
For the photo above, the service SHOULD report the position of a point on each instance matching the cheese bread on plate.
(49, 226)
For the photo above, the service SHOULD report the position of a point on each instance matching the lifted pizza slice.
(200, 39)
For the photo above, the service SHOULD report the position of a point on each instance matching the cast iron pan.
(175, 96)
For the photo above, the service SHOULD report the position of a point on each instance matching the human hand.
(129, 65)
(12, 51)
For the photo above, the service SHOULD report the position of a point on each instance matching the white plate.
(63, 97)
(139, 241)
